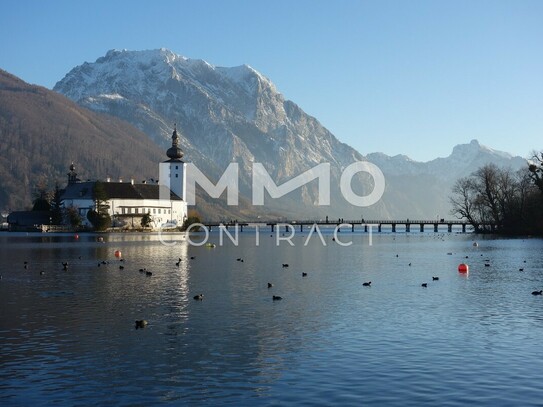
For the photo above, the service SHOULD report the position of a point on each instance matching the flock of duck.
(139, 324)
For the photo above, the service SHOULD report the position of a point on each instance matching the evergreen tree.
(100, 197)
(56, 207)
(193, 217)
(99, 217)
(146, 220)
(41, 198)
(73, 216)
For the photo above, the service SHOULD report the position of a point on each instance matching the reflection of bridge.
(345, 224)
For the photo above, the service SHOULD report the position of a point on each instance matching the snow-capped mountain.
(464, 159)
(237, 115)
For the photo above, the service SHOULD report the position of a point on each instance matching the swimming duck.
(367, 284)
(141, 323)
(199, 297)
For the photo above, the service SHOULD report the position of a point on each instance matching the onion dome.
(174, 152)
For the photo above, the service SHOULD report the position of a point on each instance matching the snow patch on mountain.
(236, 114)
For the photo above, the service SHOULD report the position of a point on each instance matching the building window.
(154, 211)
(159, 210)
(176, 167)
(176, 175)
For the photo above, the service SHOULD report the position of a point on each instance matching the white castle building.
(128, 202)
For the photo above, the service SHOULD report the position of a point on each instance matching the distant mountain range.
(236, 114)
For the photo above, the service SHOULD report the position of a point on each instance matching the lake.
(68, 337)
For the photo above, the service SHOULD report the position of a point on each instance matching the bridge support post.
(241, 227)
(393, 228)
(463, 228)
(449, 227)
(435, 227)
(272, 226)
(365, 228)
(352, 227)
(422, 228)
(379, 228)
(408, 227)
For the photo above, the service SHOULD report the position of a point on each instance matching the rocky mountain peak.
(236, 114)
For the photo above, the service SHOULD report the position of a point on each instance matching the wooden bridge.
(352, 224)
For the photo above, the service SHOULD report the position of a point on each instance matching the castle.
(128, 202)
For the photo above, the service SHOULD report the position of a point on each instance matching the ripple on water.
(69, 337)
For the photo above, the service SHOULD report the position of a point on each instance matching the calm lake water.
(68, 337)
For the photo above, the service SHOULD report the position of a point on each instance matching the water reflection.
(69, 336)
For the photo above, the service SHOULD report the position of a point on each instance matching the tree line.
(501, 200)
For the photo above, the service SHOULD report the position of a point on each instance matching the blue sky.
(410, 77)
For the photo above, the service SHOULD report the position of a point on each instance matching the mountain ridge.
(42, 132)
(237, 115)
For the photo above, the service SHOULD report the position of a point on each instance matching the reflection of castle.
(128, 202)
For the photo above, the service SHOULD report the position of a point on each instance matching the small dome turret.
(175, 152)
(72, 176)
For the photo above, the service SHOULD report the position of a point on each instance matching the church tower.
(172, 173)
(72, 175)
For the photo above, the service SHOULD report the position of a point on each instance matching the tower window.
(176, 175)
(176, 167)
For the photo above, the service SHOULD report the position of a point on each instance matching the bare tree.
(498, 197)
(536, 169)
(463, 201)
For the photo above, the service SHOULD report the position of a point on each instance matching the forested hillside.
(42, 132)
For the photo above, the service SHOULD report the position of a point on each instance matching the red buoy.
(463, 268)
(118, 253)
